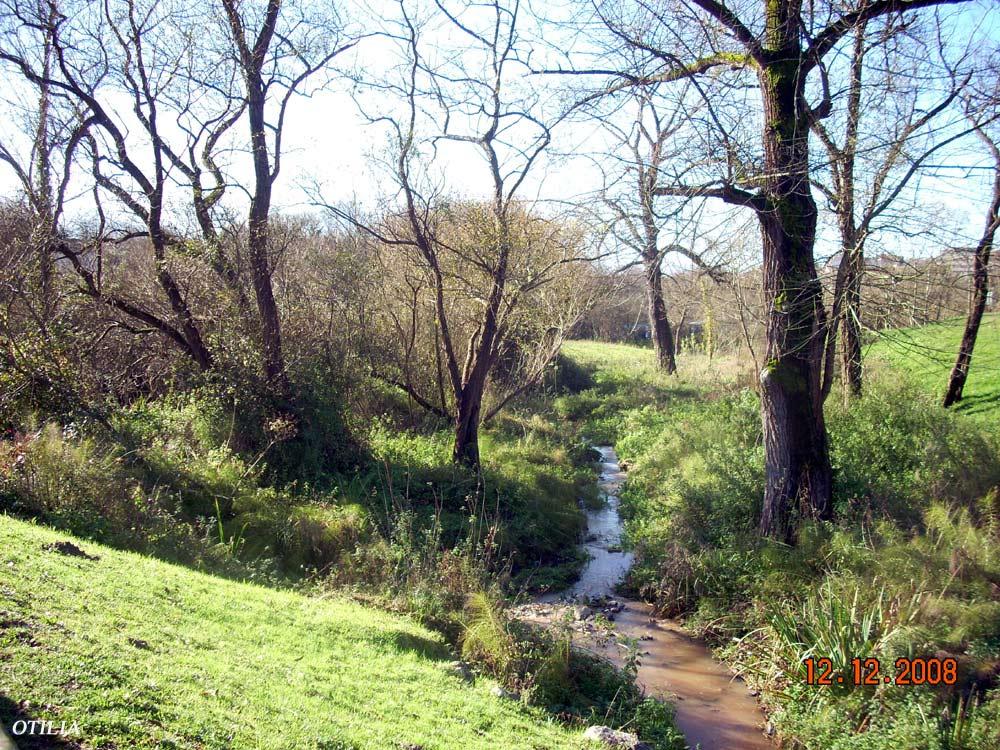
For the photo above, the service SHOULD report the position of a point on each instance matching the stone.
(583, 613)
(614, 738)
(507, 695)
(461, 669)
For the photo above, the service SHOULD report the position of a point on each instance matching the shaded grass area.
(927, 355)
(145, 654)
(167, 481)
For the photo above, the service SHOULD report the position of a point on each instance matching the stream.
(714, 710)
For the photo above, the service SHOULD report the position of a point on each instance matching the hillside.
(928, 353)
(144, 654)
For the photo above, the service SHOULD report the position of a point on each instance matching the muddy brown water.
(714, 709)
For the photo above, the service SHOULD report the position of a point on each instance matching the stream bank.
(714, 710)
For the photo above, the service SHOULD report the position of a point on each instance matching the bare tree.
(981, 259)
(888, 134)
(275, 60)
(638, 220)
(37, 171)
(468, 96)
(187, 93)
(780, 47)
(80, 70)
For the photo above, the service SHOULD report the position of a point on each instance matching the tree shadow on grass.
(13, 713)
(978, 404)
(428, 648)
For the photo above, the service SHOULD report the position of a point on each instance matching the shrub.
(576, 685)
(89, 489)
(894, 451)
(318, 535)
(70, 482)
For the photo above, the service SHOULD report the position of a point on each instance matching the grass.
(615, 363)
(145, 654)
(927, 354)
(626, 378)
(909, 567)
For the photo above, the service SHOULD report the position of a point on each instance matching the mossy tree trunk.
(797, 462)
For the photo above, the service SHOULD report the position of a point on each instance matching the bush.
(91, 490)
(318, 535)
(895, 450)
(548, 672)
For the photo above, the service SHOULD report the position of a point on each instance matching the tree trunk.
(659, 323)
(797, 462)
(45, 229)
(257, 245)
(252, 60)
(851, 324)
(977, 301)
(188, 325)
(466, 450)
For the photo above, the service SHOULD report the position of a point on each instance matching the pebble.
(499, 692)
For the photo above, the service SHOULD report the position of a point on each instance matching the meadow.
(141, 653)
(927, 354)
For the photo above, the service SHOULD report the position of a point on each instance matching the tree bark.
(845, 314)
(659, 323)
(797, 461)
(979, 293)
(851, 324)
(470, 399)
(466, 449)
(257, 246)
(252, 60)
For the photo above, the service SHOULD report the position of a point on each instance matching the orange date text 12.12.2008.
(906, 671)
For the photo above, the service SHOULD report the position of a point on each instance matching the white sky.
(328, 143)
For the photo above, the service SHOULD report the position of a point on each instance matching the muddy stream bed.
(713, 709)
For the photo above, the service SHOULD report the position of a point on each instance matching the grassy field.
(928, 353)
(143, 654)
(613, 363)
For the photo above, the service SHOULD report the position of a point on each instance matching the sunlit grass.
(143, 654)
(619, 361)
(927, 354)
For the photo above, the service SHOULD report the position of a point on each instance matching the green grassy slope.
(144, 654)
(928, 353)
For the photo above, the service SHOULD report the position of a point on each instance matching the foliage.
(910, 568)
